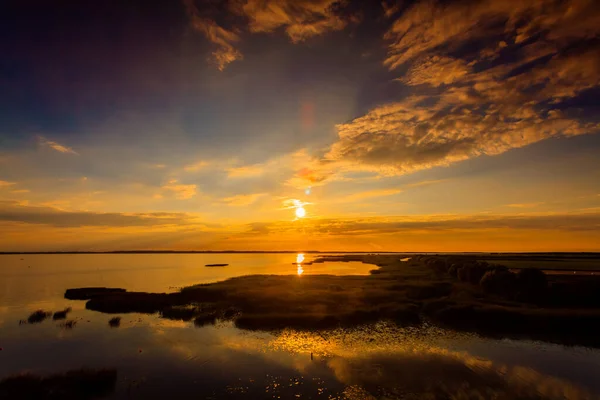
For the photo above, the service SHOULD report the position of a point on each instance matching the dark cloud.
(300, 19)
(224, 39)
(585, 222)
(11, 211)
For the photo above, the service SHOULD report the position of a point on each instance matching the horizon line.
(286, 252)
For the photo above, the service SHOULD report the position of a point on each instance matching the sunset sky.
(205, 125)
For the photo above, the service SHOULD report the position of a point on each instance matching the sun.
(300, 212)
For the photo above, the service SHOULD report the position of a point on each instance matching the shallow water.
(160, 358)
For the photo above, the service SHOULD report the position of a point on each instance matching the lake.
(161, 358)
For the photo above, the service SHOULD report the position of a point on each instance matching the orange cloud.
(12, 211)
(402, 138)
(524, 205)
(224, 39)
(243, 199)
(372, 193)
(6, 184)
(429, 25)
(56, 146)
(478, 107)
(436, 71)
(301, 19)
(195, 166)
(181, 192)
(246, 171)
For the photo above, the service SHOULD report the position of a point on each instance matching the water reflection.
(162, 358)
(299, 260)
(383, 361)
(173, 359)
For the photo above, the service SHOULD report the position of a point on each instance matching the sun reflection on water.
(299, 260)
(359, 358)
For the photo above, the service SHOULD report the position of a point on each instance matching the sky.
(300, 125)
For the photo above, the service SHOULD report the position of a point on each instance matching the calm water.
(159, 358)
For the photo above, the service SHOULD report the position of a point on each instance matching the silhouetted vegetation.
(58, 315)
(187, 313)
(89, 293)
(532, 285)
(70, 324)
(114, 322)
(456, 291)
(79, 384)
(38, 316)
(205, 319)
(216, 265)
(499, 281)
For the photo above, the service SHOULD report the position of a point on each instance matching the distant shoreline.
(592, 253)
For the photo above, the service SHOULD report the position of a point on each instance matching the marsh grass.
(90, 293)
(205, 319)
(424, 287)
(58, 315)
(70, 324)
(38, 316)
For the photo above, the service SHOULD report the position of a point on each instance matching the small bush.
(437, 264)
(499, 281)
(453, 270)
(205, 319)
(430, 291)
(471, 273)
(532, 285)
(532, 279)
(182, 313)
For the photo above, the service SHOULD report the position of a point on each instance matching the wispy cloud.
(370, 194)
(301, 19)
(56, 146)
(197, 166)
(246, 171)
(584, 222)
(17, 212)
(222, 38)
(6, 184)
(425, 183)
(525, 205)
(243, 199)
(181, 191)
